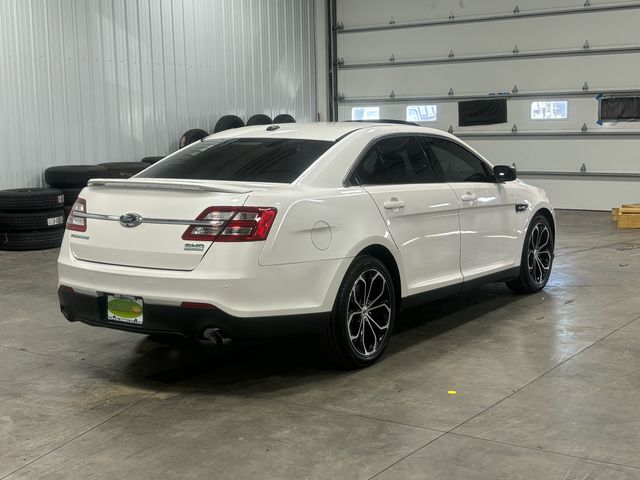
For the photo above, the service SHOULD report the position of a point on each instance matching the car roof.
(323, 131)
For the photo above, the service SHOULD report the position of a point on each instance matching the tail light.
(232, 224)
(75, 222)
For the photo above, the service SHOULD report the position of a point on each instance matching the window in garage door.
(549, 110)
(394, 160)
(422, 113)
(619, 109)
(365, 113)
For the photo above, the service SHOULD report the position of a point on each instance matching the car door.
(488, 222)
(420, 212)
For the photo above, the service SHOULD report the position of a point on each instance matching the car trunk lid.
(140, 222)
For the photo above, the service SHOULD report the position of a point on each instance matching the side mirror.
(504, 173)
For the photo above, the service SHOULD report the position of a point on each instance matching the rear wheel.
(363, 315)
(537, 258)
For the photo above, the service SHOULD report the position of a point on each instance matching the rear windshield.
(241, 159)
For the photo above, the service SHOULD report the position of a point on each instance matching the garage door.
(550, 87)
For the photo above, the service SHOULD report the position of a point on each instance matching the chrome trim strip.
(158, 221)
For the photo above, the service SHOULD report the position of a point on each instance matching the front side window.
(394, 160)
(554, 110)
(457, 163)
(365, 113)
(422, 113)
(280, 160)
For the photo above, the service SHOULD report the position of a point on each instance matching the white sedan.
(321, 229)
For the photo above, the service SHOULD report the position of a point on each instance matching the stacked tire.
(71, 179)
(31, 218)
(124, 169)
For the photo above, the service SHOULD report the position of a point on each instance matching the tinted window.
(241, 159)
(482, 112)
(613, 109)
(395, 160)
(458, 164)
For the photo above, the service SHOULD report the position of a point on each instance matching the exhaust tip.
(215, 337)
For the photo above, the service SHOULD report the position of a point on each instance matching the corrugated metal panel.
(90, 81)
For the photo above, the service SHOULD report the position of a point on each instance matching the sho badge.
(194, 247)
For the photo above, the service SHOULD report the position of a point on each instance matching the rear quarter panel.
(321, 224)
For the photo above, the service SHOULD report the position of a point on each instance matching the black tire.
(228, 122)
(26, 199)
(152, 160)
(70, 195)
(124, 169)
(35, 240)
(26, 221)
(259, 119)
(191, 136)
(284, 118)
(340, 350)
(73, 176)
(537, 257)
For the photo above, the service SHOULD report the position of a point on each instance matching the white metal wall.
(613, 71)
(90, 81)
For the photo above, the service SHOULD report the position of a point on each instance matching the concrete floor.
(548, 387)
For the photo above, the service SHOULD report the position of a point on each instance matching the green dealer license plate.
(125, 309)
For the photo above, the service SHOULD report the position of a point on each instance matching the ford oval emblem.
(130, 220)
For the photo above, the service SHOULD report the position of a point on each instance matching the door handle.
(393, 204)
(469, 197)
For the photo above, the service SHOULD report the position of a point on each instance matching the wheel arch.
(545, 212)
(383, 254)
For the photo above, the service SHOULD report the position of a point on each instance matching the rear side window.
(395, 160)
(241, 159)
(457, 163)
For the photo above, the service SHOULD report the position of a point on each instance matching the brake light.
(232, 224)
(74, 222)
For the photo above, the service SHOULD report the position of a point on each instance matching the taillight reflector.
(79, 224)
(202, 306)
(232, 224)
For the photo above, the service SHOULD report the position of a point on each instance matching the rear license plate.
(125, 309)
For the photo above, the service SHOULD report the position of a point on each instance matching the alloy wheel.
(369, 313)
(540, 253)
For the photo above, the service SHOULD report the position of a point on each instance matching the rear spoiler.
(156, 183)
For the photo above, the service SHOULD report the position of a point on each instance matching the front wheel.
(363, 315)
(537, 258)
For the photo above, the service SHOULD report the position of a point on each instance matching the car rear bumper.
(190, 322)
